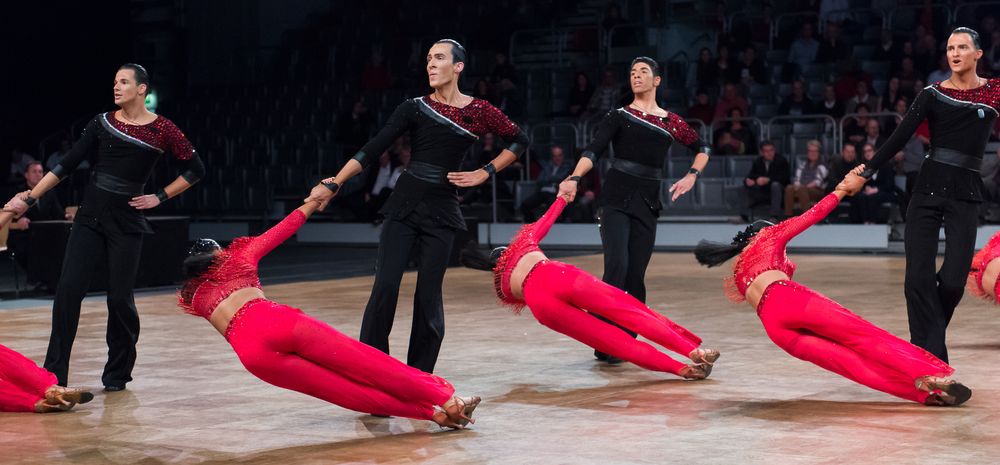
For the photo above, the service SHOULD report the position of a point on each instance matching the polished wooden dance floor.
(546, 400)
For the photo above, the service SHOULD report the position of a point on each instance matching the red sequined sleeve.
(794, 226)
(499, 124)
(686, 135)
(263, 244)
(542, 226)
(176, 142)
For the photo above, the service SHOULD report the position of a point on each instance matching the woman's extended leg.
(284, 347)
(13, 399)
(585, 291)
(814, 328)
(24, 373)
(553, 312)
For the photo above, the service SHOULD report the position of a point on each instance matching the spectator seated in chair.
(766, 181)
(807, 185)
(554, 171)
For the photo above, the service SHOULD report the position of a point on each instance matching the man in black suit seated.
(766, 181)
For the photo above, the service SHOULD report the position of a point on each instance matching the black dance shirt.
(959, 121)
(642, 139)
(440, 135)
(126, 155)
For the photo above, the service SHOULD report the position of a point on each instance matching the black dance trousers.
(433, 243)
(627, 235)
(931, 296)
(89, 245)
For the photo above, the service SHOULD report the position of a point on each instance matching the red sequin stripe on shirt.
(478, 117)
(162, 134)
(986, 94)
(673, 123)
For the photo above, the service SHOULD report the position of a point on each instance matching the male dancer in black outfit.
(641, 134)
(423, 212)
(960, 113)
(110, 223)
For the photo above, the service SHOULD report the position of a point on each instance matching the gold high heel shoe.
(695, 371)
(457, 412)
(60, 395)
(705, 358)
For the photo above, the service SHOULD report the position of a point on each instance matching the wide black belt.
(428, 172)
(637, 169)
(116, 185)
(955, 158)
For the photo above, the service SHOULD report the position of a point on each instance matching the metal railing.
(965, 5)
(853, 13)
(895, 13)
(717, 124)
(830, 124)
(854, 116)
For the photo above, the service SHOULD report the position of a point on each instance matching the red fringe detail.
(218, 273)
(523, 242)
(974, 282)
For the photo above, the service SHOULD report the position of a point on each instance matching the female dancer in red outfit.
(287, 348)
(982, 281)
(25, 387)
(811, 327)
(561, 296)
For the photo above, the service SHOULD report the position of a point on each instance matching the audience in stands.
(899, 108)
(991, 59)
(942, 73)
(375, 76)
(502, 69)
(873, 133)
(808, 182)
(842, 165)
(509, 99)
(925, 54)
(862, 94)
(802, 52)
(854, 127)
(797, 103)
(484, 91)
(723, 64)
(990, 173)
(55, 157)
(379, 184)
(865, 206)
(736, 137)
(355, 127)
(749, 70)
(730, 99)
(702, 110)
(830, 105)
(579, 94)
(606, 96)
(846, 84)
(833, 49)
(907, 75)
(553, 171)
(766, 181)
(706, 73)
(47, 209)
(892, 95)
(888, 48)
